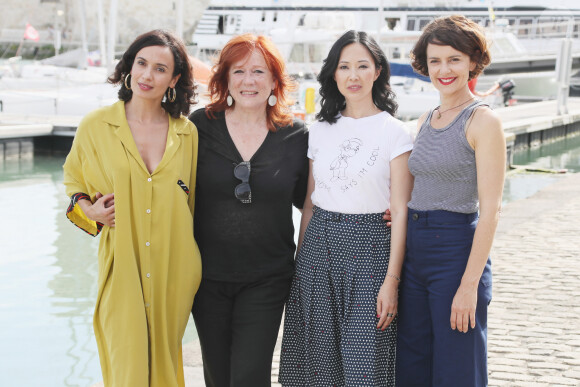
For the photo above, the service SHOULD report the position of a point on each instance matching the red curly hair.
(238, 48)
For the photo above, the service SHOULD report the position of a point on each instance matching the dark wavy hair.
(459, 32)
(184, 87)
(238, 48)
(332, 101)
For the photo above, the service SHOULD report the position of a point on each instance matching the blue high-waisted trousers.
(429, 352)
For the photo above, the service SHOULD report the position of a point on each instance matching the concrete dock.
(525, 125)
(534, 317)
(534, 325)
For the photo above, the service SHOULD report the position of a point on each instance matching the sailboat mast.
(380, 21)
(179, 18)
(84, 46)
(112, 33)
(101, 22)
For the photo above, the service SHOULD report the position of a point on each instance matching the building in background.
(59, 23)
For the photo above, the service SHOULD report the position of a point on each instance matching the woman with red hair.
(252, 167)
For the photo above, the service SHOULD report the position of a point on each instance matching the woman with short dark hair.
(340, 326)
(141, 153)
(458, 164)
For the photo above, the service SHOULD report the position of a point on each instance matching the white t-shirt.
(351, 162)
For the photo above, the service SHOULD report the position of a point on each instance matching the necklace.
(439, 112)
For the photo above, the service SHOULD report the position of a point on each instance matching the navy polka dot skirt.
(330, 329)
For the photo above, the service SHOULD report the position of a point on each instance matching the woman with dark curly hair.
(141, 152)
(458, 164)
(340, 326)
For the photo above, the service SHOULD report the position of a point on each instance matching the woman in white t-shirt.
(340, 318)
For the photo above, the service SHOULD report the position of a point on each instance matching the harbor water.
(556, 156)
(48, 268)
(48, 281)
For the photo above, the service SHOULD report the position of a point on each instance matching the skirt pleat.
(330, 334)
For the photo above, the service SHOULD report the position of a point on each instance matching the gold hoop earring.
(171, 96)
(128, 86)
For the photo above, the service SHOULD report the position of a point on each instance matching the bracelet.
(393, 276)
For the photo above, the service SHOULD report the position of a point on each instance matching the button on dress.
(149, 263)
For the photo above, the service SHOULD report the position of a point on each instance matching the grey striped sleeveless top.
(443, 164)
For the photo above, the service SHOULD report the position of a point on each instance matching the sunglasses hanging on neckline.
(243, 191)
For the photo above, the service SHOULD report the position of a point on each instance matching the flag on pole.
(30, 33)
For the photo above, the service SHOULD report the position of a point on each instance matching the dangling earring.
(128, 86)
(229, 100)
(171, 94)
(272, 99)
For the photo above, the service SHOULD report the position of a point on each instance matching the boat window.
(297, 53)
(476, 19)
(552, 27)
(231, 24)
(423, 22)
(316, 53)
(411, 24)
(263, 16)
(525, 27)
(395, 53)
(392, 22)
(275, 17)
(301, 21)
(221, 25)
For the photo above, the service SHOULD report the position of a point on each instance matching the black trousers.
(237, 325)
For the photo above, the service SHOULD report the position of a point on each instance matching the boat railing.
(546, 29)
(541, 37)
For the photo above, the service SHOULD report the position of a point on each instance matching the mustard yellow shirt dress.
(149, 263)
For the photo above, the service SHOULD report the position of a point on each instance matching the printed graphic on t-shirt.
(351, 166)
(347, 149)
(351, 162)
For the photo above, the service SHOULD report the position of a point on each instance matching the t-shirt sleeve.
(402, 141)
(312, 139)
(301, 185)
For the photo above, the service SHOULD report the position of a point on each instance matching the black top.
(244, 242)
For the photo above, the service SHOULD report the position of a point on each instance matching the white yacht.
(526, 37)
